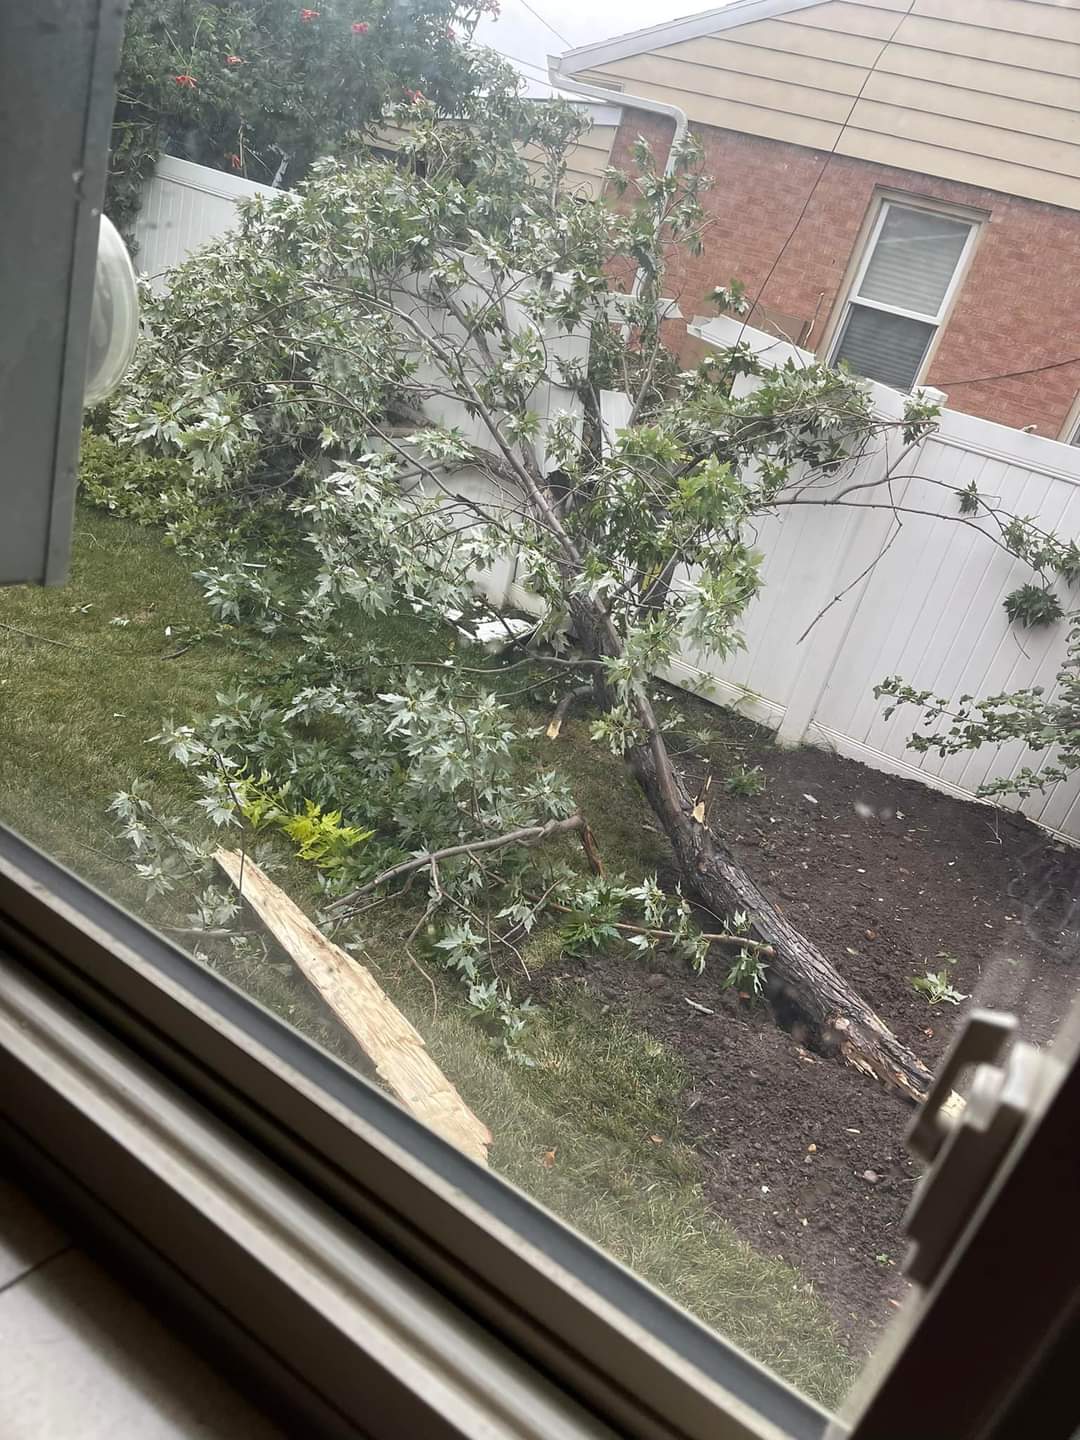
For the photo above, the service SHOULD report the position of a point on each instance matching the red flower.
(306, 16)
(236, 162)
(414, 95)
(188, 81)
(233, 60)
(361, 27)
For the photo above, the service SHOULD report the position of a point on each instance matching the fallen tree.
(443, 340)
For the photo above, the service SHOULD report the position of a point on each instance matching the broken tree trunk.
(801, 978)
(395, 1048)
(802, 982)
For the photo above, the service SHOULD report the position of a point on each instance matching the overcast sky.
(527, 39)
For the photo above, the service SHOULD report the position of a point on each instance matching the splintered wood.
(395, 1048)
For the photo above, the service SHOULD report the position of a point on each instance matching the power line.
(1010, 374)
(829, 157)
(557, 33)
(529, 64)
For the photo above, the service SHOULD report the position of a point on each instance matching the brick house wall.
(1018, 306)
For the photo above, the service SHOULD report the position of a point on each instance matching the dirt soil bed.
(803, 1156)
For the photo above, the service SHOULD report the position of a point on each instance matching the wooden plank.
(395, 1047)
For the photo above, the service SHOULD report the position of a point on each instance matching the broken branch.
(527, 835)
(742, 942)
(563, 708)
(394, 1046)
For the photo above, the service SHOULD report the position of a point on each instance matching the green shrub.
(125, 480)
(128, 482)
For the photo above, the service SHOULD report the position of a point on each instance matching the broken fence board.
(395, 1047)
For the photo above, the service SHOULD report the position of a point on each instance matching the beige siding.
(983, 77)
(587, 161)
(982, 91)
(691, 79)
(989, 174)
(739, 56)
(1014, 116)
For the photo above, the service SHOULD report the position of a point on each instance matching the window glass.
(887, 348)
(608, 715)
(913, 260)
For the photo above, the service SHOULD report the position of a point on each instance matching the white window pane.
(914, 260)
(884, 347)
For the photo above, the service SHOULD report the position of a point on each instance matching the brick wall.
(1018, 307)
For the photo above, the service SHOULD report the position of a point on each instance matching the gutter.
(633, 102)
(619, 97)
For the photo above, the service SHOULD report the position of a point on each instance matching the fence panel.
(922, 600)
(184, 206)
(930, 608)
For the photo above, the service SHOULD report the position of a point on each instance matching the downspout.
(631, 102)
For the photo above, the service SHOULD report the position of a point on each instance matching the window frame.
(508, 1273)
(882, 204)
(1069, 434)
(500, 1311)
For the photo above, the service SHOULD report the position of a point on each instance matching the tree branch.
(528, 835)
(565, 705)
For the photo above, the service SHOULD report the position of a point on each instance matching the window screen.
(884, 347)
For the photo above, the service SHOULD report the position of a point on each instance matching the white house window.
(900, 293)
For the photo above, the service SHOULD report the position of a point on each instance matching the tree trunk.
(803, 985)
(802, 982)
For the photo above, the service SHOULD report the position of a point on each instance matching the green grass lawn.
(75, 717)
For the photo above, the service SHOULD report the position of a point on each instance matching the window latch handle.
(966, 1141)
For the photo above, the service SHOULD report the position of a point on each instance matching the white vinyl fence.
(928, 606)
(922, 600)
(184, 207)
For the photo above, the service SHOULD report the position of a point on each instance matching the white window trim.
(1069, 433)
(884, 202)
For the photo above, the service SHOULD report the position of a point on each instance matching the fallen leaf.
(548, 1159)
(698, 812)
(872, 1176)
(695, 1006)
(812, 1149)
(553, 729)
(656, 1139)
